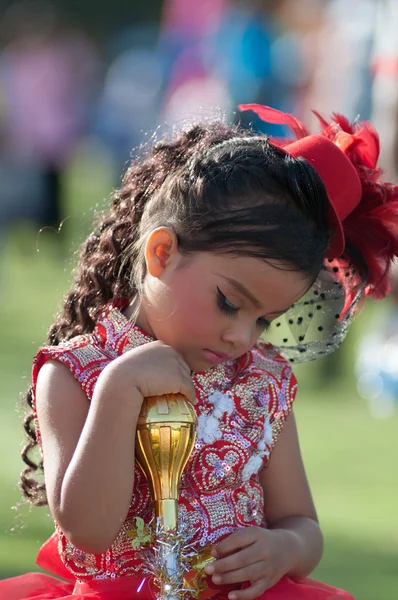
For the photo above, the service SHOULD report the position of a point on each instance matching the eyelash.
(230, 309)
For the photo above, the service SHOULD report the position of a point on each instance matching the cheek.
(196, 308)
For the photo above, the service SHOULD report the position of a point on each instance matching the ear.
(161, 247)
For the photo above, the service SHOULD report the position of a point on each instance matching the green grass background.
(351, 457)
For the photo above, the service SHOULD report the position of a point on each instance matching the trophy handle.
(166, 432)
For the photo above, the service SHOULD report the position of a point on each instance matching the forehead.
(275, 287)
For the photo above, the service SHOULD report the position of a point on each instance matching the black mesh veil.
(316, 325)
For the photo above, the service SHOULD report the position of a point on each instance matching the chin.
(198, 365)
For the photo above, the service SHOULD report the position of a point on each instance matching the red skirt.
(39, 586)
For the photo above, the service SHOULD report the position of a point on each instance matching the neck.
(136, 312)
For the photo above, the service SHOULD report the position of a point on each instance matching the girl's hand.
(154, 369)
(252, 554)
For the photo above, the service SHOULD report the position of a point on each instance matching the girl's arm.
(88, 448)
(292, 545)
(289, 508)
(88, 452)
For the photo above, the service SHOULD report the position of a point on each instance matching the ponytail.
(105, 265)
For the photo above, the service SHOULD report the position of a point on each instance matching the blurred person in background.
(239, 53)
(377, 356)
(47, 73)
(357, 75)
(192, 87)
(384, 65)
(342, 79)
(252, 50)
(300, 25)
(357, 69)
(377, 353)
(131, 98)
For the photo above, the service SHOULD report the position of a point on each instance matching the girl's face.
(212, 308)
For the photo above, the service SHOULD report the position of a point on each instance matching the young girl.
(210, 238)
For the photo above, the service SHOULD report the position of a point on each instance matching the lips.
(216, 357)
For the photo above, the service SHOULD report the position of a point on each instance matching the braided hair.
(221, 189)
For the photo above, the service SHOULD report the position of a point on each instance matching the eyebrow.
(243, 290)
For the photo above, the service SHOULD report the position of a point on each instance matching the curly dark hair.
(221, 188)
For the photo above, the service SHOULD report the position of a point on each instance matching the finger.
(249, 573)
(187, 390)
(236, 540)
(254, 591)
(186, 370)
(236, 560)
(182, 361)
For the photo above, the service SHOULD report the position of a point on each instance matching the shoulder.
(85, 357)
(277, 382)
(57, 398)
(267, 358)
(56, 387)
(275, 370)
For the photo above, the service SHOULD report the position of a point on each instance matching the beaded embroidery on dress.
(241, 410)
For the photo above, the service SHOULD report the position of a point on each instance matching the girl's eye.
(225, 305)
(230, 309)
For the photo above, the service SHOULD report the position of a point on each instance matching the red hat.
(341, 180)
(362, 209)
(337, 172)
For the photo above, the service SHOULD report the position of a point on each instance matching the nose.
(241, 336)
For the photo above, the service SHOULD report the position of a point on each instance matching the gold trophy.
(166, 432)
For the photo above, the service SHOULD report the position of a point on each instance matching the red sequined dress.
(241, 411)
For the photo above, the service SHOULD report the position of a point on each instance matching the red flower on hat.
(364, 209)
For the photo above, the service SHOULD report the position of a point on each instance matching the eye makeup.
(230, 309)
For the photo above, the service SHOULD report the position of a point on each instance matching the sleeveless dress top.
(242, 406)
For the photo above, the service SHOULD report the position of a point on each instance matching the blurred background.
(82, 86)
